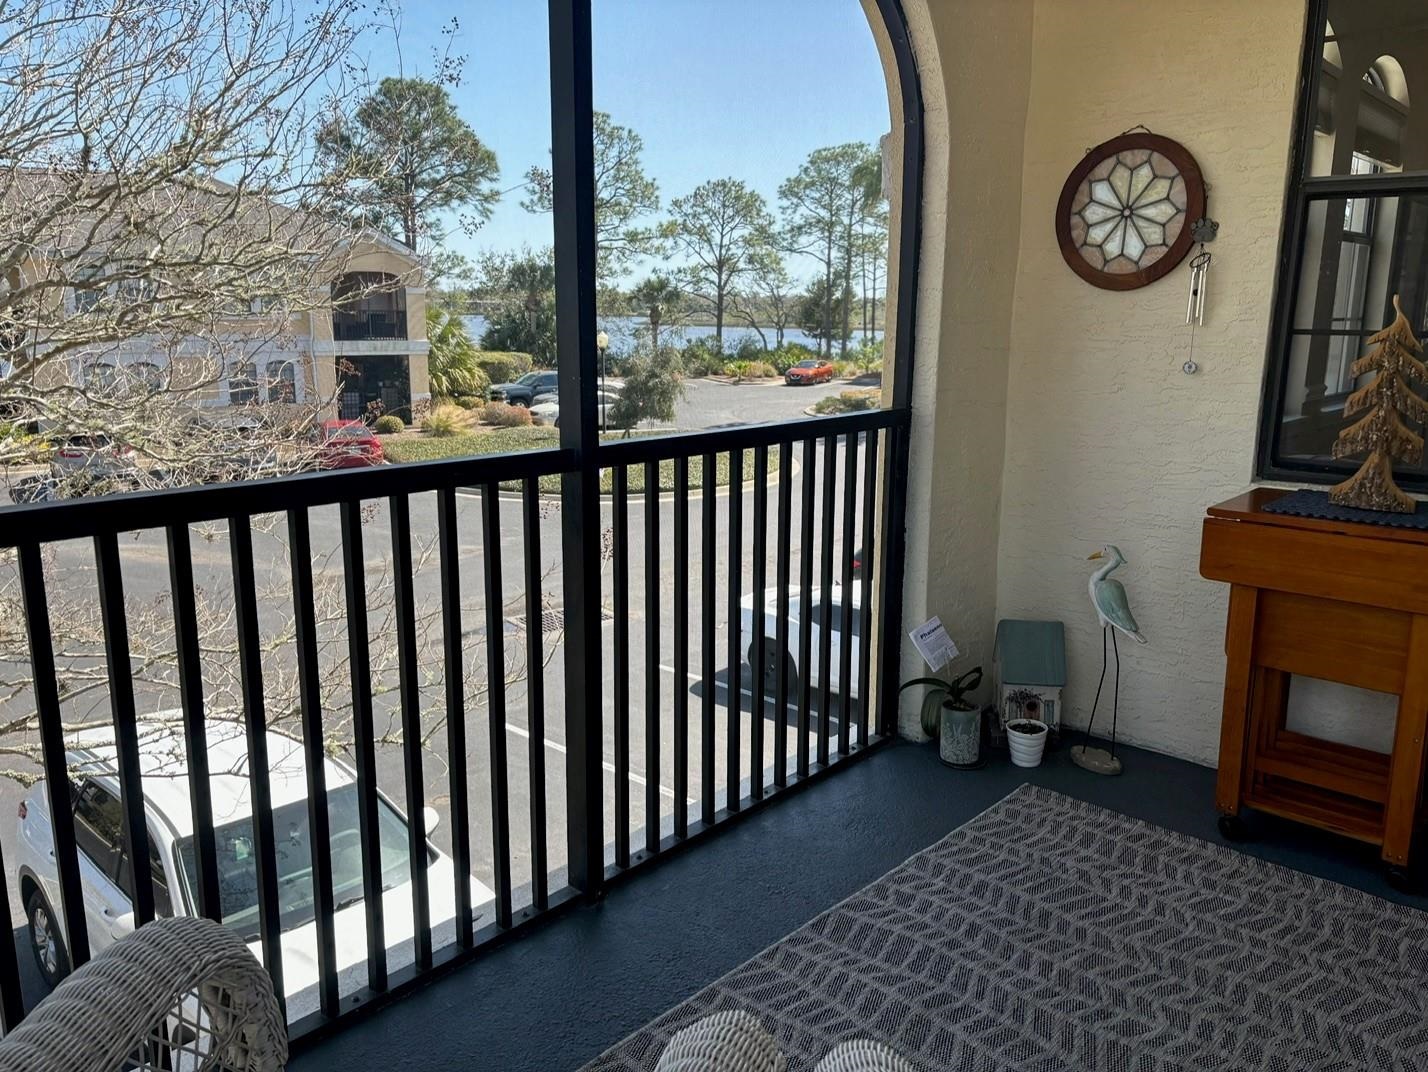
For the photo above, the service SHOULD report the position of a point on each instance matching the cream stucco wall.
(1051, 417)
(974, 61)
(1108, 441)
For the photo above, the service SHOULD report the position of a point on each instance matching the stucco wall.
(1107, 440)
(975, 65)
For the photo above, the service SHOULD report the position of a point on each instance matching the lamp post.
(602, 343)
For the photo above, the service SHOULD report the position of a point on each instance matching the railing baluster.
(893, 540)
(409, 694)
(706, 615)
(195, 731)
(535, 695)
(496, 701)
(652, 671)
(12, 1007)
(825, 618)
(454, 674)
(110, 579)
(756, 618)
(56, 768)
(681, 647)
(363, 741)
(805, 602)
(733, 788)
(845, 604)
(310, 701)
(619, 508)
(250, 666)
(865, 579)
(784, 543)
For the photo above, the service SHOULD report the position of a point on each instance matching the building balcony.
(364, 325)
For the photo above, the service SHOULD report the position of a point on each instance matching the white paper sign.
(933, 644)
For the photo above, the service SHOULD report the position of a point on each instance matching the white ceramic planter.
(1026, 748)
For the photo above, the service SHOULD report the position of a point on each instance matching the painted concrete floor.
(560, 996)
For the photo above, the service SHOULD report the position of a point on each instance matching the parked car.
(347, 445)
(105, 867)
(551, 393)
(813, 370)
(523, 391)
(93, 459)
(829, 609)
(548, 412)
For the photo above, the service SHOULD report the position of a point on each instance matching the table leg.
(1405, 776)
(1239, 673)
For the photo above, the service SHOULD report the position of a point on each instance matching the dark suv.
(524, 390)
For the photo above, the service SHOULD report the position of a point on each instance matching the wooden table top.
(1249, 506)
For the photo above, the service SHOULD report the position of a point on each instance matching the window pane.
(1374, 59)
(741, 213)
(1348, 278)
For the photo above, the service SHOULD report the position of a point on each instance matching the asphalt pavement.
(649, 674)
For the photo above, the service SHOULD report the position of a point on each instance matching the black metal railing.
(818, 493)
(369, 324)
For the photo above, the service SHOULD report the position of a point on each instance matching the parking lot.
(650, 599)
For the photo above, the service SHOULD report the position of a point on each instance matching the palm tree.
(661, 299)
(452, 358)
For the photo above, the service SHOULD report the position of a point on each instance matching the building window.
(88, 287)
(281, 381)
(1356, 229)
(243, 384)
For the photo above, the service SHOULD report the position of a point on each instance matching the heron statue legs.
(1098, 760)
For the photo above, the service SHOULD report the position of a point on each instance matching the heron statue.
(1108, 596)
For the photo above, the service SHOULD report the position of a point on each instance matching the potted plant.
(1026, 733)
(951, 719)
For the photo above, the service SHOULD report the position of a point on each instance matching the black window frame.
(1302, 193)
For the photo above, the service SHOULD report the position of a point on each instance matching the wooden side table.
(1340, 601)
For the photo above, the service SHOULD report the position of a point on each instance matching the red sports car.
(347, 445)
(813, 370)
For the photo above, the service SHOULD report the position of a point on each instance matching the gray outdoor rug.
(1049, 934)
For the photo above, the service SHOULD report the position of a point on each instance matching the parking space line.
(521, 731)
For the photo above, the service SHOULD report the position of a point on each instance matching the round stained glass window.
(1124, 217)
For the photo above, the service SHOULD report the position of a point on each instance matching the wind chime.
(1204, 231)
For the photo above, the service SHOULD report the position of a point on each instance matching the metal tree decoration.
(1381, 433)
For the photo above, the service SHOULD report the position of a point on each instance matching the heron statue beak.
(1094, 556)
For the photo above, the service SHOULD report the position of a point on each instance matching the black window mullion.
(573, 195)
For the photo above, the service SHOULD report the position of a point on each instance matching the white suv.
(767, 621)
(105, 868)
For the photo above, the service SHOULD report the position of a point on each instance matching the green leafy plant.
(943, 693)
(390, 424)
(503, 366)
(452, 360)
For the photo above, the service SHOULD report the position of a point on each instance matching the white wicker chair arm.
(731, 1041)
(184, 991)
(863, 1055)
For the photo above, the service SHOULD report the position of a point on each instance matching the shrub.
(749, 370)
(446, 421)
(749, 349)
(503, 366)
(390, 424)
(847, 401)
(843, 369)
(868, 357)
(470, 402)
(788, 355)
(703, 357)
(504, 416)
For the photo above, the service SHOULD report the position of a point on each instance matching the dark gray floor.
(560, 996)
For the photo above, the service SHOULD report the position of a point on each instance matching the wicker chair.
(179, 993)
(735, 1041)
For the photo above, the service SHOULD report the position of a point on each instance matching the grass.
(508, 440)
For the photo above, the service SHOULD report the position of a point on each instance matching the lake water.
(621, 330)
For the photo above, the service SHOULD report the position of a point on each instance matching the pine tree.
(1381, 433)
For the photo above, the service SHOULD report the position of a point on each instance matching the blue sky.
(715, 87)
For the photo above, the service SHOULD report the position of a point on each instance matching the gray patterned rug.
(1048, 935)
